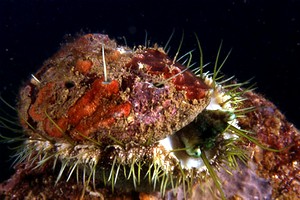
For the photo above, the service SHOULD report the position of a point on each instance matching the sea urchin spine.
(112, 116)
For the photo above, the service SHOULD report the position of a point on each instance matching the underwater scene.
(149, 100)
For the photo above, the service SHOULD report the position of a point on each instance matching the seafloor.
(267, 175)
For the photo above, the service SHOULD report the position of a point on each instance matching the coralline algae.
(103, 121)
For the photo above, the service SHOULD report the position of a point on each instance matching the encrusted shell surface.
(147, 96)
(114, 134)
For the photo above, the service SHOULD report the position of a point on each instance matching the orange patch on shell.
(83, 66)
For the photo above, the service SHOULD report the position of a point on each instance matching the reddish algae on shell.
(75, 118)
(140, 102)
(271, 127)
(280, 170)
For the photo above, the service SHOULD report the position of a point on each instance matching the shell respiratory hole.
(113, 116)
(128, 108)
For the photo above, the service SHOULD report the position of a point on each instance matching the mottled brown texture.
(139, 102)
(272, 129)
(73, 114)
(280, 170)
(156, 63)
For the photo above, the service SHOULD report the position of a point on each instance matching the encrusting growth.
(120, 120)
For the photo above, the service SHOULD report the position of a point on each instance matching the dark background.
(264, 37)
